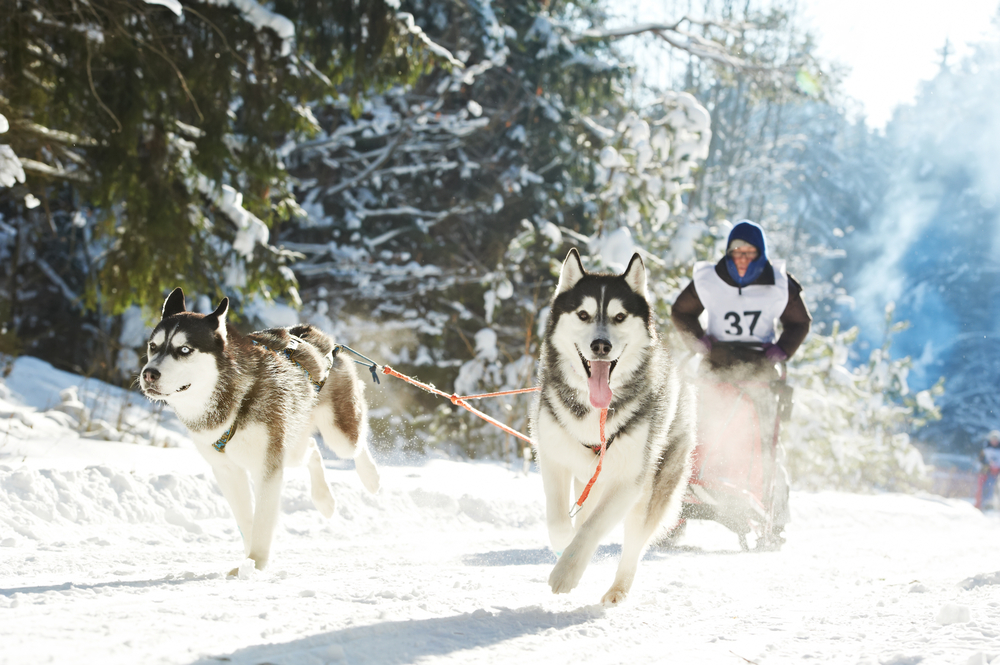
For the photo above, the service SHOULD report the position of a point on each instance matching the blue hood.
(748, 232)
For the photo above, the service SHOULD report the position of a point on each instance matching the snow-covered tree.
(851, 426)
(144, 146)
(438, 217)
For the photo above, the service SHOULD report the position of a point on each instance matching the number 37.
(734, 322)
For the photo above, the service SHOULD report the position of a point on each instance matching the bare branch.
(673, 35)
(702, 50)
(618, 33)
(93, 90)
(60, 283)
(386, 154)
(218, 31)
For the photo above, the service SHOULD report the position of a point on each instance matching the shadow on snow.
(117, 584)
(543, 555)
(410, 641)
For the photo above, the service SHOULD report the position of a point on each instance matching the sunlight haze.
(891, 46)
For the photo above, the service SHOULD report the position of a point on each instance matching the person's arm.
(795, 320)
(685, 312)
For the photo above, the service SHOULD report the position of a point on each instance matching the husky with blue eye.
(601, 351)
(252, 403)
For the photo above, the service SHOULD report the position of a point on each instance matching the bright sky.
(891, 45)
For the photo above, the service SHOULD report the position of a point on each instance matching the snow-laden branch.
(56, 135)
(385, 154)
(11, 167)
(411, 27)
(40, 168)
(672, 34)
(250, 231)
(60, 283)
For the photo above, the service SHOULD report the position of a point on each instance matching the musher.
(745, 295)
(989, 457)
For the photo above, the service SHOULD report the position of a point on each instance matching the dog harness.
(318, 385)
(596, 447)
(228, 435)
(746, 314)
(220, 445)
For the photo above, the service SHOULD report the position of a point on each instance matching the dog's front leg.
(235, 485)
(557, 479)
(611, 509)
(639, 527)
(267, 492)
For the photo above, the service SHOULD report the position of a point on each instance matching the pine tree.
(152, 138)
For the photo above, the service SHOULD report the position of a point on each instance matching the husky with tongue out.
(601, 351)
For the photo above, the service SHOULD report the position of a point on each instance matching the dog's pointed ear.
(219, 315)
(635, 275)
(571, 273)
(174, 304)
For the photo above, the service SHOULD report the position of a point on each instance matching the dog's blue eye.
(583, 315)
(184, 350)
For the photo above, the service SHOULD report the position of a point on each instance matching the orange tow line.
(461, 401)
(600, 460)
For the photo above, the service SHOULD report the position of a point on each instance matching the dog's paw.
(244, 571)
(567, 573)
(615, 596)
(259, 562)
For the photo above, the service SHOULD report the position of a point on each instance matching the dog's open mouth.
(598, 380)
(153, 393)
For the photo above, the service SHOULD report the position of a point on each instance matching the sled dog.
(252, 403)
(601, 350)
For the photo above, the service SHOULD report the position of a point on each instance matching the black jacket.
(795, 320)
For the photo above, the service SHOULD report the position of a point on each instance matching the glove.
(774, 353)
(703, 345)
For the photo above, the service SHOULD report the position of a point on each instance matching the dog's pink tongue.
(599, 383)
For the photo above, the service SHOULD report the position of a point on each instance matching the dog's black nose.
(601, 347)
(150, 375)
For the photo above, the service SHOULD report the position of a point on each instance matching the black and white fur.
(212, 376)
(601, 317)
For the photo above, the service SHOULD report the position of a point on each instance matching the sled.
(734, 464)
(989, 475)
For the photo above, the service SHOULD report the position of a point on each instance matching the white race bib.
(749, 314)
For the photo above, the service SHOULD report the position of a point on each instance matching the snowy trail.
(107, 565)
(115, 553)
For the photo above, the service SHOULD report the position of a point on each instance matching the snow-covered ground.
(115, 552)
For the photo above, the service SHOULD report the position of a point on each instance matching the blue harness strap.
(220, 445)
